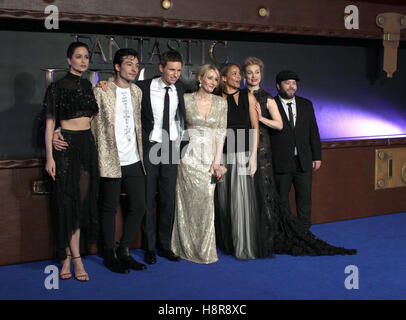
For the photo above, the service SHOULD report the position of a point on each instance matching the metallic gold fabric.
(193, 236)
(103, 124)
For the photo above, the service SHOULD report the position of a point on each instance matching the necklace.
(230, 98)
(253, 91)
(231, 94)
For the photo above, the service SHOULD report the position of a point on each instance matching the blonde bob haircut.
(203, 71)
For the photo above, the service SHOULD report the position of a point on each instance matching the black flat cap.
(286, 75)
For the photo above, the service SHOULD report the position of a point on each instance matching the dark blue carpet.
(381, 262)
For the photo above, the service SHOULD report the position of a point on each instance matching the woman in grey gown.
(236, 204)
(193, 235)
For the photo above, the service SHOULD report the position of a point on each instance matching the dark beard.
(284, 95)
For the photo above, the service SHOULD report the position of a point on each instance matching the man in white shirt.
(118, 133)
(163, 121)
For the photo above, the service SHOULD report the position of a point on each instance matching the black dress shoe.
(123, 254)
(168, 254)
(150, 257)
(113, 263)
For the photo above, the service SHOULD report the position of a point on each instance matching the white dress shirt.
(157, 102)
(285, 107)
(124, 128)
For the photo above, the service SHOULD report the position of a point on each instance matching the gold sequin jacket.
(103, 125)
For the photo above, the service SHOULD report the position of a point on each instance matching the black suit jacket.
(147, 117)
(305, 135)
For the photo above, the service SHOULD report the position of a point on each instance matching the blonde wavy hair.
(253, 61)
(202, 72)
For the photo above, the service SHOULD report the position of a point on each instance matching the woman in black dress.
(70, 102)
(250, 221)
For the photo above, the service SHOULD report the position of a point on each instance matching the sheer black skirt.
(76, 191)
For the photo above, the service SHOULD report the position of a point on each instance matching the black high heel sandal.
(84, 277)
(67, 275)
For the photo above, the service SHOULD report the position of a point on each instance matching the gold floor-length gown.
(193, 235)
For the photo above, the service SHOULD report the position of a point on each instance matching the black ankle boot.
(113, 263)
(123, 253)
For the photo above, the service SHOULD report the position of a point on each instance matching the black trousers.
(160, 177)
(302, 182)
(132, 181)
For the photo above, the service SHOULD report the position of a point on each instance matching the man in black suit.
(296, 149)
(163, 123)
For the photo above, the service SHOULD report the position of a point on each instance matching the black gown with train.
(270, 226)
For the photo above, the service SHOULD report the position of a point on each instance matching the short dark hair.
(171, 55)
(223, 72)
(121, 53)
(72, 47)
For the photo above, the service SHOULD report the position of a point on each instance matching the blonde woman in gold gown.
(193, 235)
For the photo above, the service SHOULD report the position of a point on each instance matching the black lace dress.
(271, 228)
(76, 181)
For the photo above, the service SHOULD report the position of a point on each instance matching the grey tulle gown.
(193, 235)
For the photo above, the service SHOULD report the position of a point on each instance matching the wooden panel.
(24, 218)
(21, 163)
(344, 189)
(311, 17)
